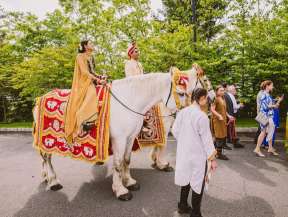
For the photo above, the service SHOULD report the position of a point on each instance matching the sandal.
(273, 152)
(259, 153)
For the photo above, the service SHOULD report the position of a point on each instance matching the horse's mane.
(146, 82)
(141, 83)
(140, 79)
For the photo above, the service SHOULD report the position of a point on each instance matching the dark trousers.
(231, 132)
(196, 198)
(219, 144)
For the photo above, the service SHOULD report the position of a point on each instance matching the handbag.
(262, 119)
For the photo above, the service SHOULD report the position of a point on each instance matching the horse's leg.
(44, 173)
(158, 153)
(121, 192)
(128, 181)
(53, 182)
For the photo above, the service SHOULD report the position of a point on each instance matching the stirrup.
(87, 126)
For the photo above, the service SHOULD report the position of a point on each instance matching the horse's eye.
(181, 94)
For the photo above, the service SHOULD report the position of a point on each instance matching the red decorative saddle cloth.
(153, 131)
(93, 146)
(49, 130)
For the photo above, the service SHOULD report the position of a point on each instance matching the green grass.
(250, 122)
(246, 122)
(241, 122)
(16, 125)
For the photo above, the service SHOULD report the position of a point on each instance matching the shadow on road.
(157, 197)
(247, 206)
(253, 168)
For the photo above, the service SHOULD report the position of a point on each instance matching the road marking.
(145, 212)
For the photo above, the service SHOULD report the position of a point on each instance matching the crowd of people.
(192, 124)
(224, 113)
(223, 124)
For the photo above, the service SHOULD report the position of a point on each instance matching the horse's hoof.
(56, 187)
(125, 197)
(135, 187)
(44, 182)
(154, 165)
(166, 168)
(99, 163)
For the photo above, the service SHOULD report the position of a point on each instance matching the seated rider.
(79, 106)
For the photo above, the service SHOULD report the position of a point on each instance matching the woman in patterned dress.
(267, 107)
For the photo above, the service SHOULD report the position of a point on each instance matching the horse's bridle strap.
(170, 92)
(138, 113)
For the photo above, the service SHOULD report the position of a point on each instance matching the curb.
(27, 130)
(15, 130)
(246, 129)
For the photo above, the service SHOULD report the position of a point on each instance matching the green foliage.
(237, 43)
(208, 12)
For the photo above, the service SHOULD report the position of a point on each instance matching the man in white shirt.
(133, 66)
(232, 93)
(195, 148)
(232, 109)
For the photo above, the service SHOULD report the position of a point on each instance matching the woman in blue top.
(276, 120)
(267, 107)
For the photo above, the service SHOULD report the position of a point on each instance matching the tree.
(236, 44)
(111, 26)
(209, 13)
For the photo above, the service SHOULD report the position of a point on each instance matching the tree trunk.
(4, 109)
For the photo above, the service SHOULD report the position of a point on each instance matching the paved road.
(245, 186)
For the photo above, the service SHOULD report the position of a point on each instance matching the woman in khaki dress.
(219, 120)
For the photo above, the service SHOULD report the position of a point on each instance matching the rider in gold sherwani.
(83, 83)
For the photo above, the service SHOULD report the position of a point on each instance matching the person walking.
(195, 151)
(267, 108)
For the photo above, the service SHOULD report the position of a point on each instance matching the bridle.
(202, 84)
(170, 93)
(139, 113)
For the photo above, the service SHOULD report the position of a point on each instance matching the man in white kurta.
(133, 66)
(194, 148)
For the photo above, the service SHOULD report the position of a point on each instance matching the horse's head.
(178, 90)
(198, 79)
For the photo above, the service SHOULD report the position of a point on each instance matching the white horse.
(195, 74)
(139, 93)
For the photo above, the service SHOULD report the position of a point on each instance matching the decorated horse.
(185, 82)
(120, 120)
